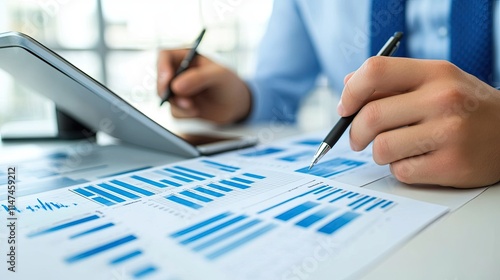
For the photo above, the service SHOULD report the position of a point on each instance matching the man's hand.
(432, 122)
(206, 90)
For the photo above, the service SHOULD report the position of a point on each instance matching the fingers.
(168, 60)
(380, 74)
(386, 114)
(195, 80)
(183, 108)
(405, 142)
(431, 168)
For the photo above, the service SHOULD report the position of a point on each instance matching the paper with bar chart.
(295, 154)
(211, 218)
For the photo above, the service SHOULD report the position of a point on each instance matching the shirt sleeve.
(287, 66)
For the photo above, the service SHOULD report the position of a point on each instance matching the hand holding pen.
(331, 139)
(205, 89)
(185, 63)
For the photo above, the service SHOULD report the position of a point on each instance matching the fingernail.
(183, 104)
(164, 76)
(340, 108)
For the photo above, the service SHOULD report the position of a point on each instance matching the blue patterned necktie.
(471, 33)
(472, 37)
(386, 18)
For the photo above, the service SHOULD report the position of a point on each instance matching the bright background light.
(116, 42)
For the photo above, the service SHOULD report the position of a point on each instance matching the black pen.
(185, 63)
(331, 139)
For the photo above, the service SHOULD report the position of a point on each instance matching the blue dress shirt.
(306, 38)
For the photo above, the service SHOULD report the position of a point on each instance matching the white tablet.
(94, 105)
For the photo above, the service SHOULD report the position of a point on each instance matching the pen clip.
(394, 49)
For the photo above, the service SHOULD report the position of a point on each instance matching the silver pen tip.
(322, 150)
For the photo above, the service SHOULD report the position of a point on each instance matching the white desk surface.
(464, 244)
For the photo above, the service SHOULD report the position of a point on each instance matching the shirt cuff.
(262, 104)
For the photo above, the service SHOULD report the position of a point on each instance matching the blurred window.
(116, 41)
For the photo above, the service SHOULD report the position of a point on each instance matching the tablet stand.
(67, 129)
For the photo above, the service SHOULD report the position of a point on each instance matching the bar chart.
(323, 210)
(219, 190)
(143, 184)
(219, 235)
(103, 239)
(326, 209)
(332, 167)
(309, 142)
(187, 187)
(239, 221)
(262, 152)
(297, 157)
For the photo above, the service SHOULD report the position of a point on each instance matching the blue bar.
(132, 188)
(183, 202)
(220, 165)
(346, 165)
(144, 272)
(364, 203)
(100, 249)
(255, 176)
(328, 194)
(91, 230)
(310, 142)
(105, 194)
(213, 229)
(241, 180)
(298, 156)
(262, 152)
(200, 225)
(313, 218)
(338, 222)
(226, 235)
(227, 169)
(125, 257)
(240, 242)
(290, 199)
(332, 167)
(161, 172)
(323, 190)
(119, 191)
(44, 205)
(359, 200)
(297, 210)
(375, 205)
(220, 188)
(195, 172)
(234, 184)
(340, 197)
(183, 174)
(126, 172)
(196, 196)
(186, 180)
(387, 204)
(174, 184)
(353, 195)
(103, 201)
(83, 192)
(209, 192)
(66, 225)
(151, 182)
